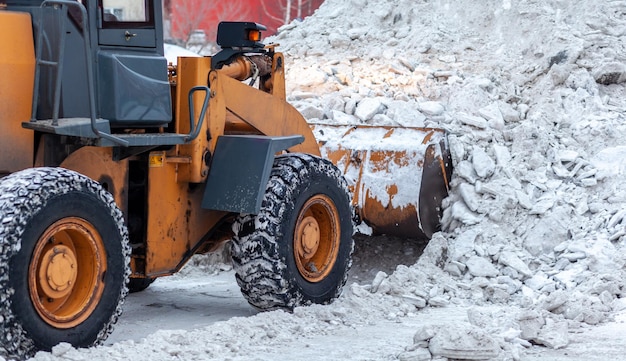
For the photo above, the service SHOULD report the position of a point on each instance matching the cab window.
(126, 14)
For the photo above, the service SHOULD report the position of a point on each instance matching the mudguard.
(239, 171)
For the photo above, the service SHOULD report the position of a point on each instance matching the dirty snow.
(368, 177)
(531, 262)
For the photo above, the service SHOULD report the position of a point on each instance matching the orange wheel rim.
(317, 237)
(66, 271)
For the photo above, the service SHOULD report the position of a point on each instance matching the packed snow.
(531, 262)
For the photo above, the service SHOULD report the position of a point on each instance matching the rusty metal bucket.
(398, 175)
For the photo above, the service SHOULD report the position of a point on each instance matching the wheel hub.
(316, 238)
(65, 273)
(309, 237)
(58, 271)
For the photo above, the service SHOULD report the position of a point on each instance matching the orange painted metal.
(192, 72)
(240, 69)
(385, 167)
(265, 113)
(17, 73)
(97, 163)
(176, 223)
(316, 239)
(66, 271)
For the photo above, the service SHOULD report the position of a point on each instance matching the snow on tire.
(297, 250)
(64, 261)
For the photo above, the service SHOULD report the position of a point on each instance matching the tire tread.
(22, 194)
(255, 252)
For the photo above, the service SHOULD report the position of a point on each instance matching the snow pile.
(532, 93)
(534, 246)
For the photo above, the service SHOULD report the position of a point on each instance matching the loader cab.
(126, 49)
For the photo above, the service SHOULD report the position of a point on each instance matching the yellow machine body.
(17, 72)
(375, 160)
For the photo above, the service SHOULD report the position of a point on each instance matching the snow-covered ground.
(531, 262)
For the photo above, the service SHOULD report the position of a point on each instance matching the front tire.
(297, 250)
(64, 261)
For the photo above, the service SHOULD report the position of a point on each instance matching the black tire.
(269, 250)
(139, 284)
(59, 229)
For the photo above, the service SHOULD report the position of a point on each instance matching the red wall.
(186, 15)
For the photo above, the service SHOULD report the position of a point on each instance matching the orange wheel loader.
(116, 168)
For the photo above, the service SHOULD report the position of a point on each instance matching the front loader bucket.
(398, 176)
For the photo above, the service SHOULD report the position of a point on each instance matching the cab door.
(128, 23)
(133, 85)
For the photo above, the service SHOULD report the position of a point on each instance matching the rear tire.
(297, 250)
(64, 261)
